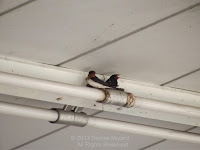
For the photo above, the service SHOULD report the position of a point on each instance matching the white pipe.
(29, 112)
(162, 93)
(95, 94)
(50, 86)
(52, 115)
(143, 130)
(64, 75)
(167, 107)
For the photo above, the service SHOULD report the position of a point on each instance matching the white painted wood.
(50, 32)
(66, 140)
(8, 4)
(169, 145)
(190, 82)
(157, 55)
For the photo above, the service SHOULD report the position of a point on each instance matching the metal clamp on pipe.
(118, 98)
(71, 118)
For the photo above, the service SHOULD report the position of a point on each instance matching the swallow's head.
(91, 74)
(115, 76)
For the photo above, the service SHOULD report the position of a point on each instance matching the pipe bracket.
(71, 118)
(118, 98)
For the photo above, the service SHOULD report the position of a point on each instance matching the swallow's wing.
(112, 82)
(96, 79)
(108, 81)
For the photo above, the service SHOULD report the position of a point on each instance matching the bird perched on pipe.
(112, 81)
(95, 82)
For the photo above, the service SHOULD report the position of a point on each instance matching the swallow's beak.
(88, 77)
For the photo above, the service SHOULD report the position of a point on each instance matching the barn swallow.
(94, 81)
(112, 81)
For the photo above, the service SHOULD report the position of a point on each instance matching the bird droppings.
(104, 31)
(120, 108)
(112, 25)
(59, 99)
(94, 105)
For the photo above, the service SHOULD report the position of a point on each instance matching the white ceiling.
(67, 143)
(190, 82)
(174, 145)
(9, 4)
(162, 49)
(52, 32)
